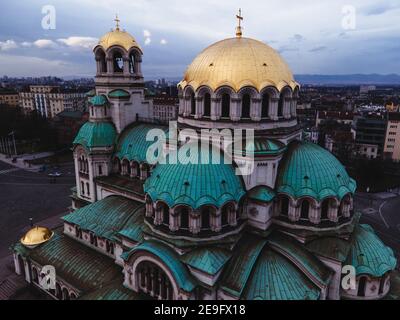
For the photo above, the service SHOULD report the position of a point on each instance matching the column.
(333, 211)
(194, 222)
(199, 108)
(215, 108)
(293, 111)
(126, 67)
(255, 109)
(235, 109)
(174, 222)
(187, 105)
(110, 67)
(232, 216)
(215, 221)
(181, 104)
(286, 107)
(273, 109)
(158, 218)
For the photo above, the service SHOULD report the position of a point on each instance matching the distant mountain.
(349, 79)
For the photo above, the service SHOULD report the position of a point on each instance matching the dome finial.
(117, 21)
(239, 27)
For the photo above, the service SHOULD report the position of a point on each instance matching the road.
(25, 194)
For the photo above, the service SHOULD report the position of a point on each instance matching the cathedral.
(166, 230)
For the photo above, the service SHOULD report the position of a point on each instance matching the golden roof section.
(36, 235)
(118, 37)
(238, 62)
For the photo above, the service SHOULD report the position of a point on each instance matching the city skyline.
(315, 39)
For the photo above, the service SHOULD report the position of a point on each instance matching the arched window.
(305, 208)
(82, 188)
(101, 56)
(192, 104)
(153, 281)
(165, 211)
(265, 106)
(207, 105)
(361, 286)
(205, 218)
(118, 62)
(184, 213)
(226, 106)
(285, 206)
(280, 105)
(132, 65)
(246, 106)
(325, 209)
(87, 188)
(382, 284)
(224, 215)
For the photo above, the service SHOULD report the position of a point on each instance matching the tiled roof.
(133, 228)
(112, 291)
(368, 254)
(82, 267)
(330, 247)
(99, 100)
(132, 144)
(261, 146)
(170, 258)
(275, 278)
(209, 260)
(195, 183)
(262, 193)
(96, 134)
(119, 93)
(105, 217)
(309, 170)
(238, 271)
(300, 256)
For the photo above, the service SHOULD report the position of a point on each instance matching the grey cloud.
(318, 49)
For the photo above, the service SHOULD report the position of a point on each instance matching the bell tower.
(119, 76)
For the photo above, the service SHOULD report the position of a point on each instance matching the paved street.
(25, 194)
(383, 213)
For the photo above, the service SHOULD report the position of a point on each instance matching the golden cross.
(239, 27)
(117, 21)
(239, 16)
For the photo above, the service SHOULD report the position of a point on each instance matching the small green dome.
(99, 100)
(194, 184)
(309, 170)
(96, 134)
(368, 254)
(132, 144)
(119, 93)
(260, 146)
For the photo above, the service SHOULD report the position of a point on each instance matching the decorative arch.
(100, 56)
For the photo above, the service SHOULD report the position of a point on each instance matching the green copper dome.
(96, 134)
(132, 144)
(119, 93)
(99, 100)
(260, 146)
(368, 254)
(196, 183)
(309, 170)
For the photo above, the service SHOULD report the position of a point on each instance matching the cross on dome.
(239, 27)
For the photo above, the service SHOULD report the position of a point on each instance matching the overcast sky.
(315, 37)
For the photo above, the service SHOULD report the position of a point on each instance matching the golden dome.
(116, 37)
(36, 235)
(238, 62)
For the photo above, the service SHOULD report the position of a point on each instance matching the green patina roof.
(238, 271)
(81, 266)
(301, 256)
(261, 146)
(119, 93)
(170, 258)
(275, 278)
(96, 134)
(262, 193)
(330, 247)
(132, 144)
(196, 183)
(209, 260)
(112, 291)
(309, 170)
(105, 217)
(133, 228)
(368, 254)
(99, 100)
